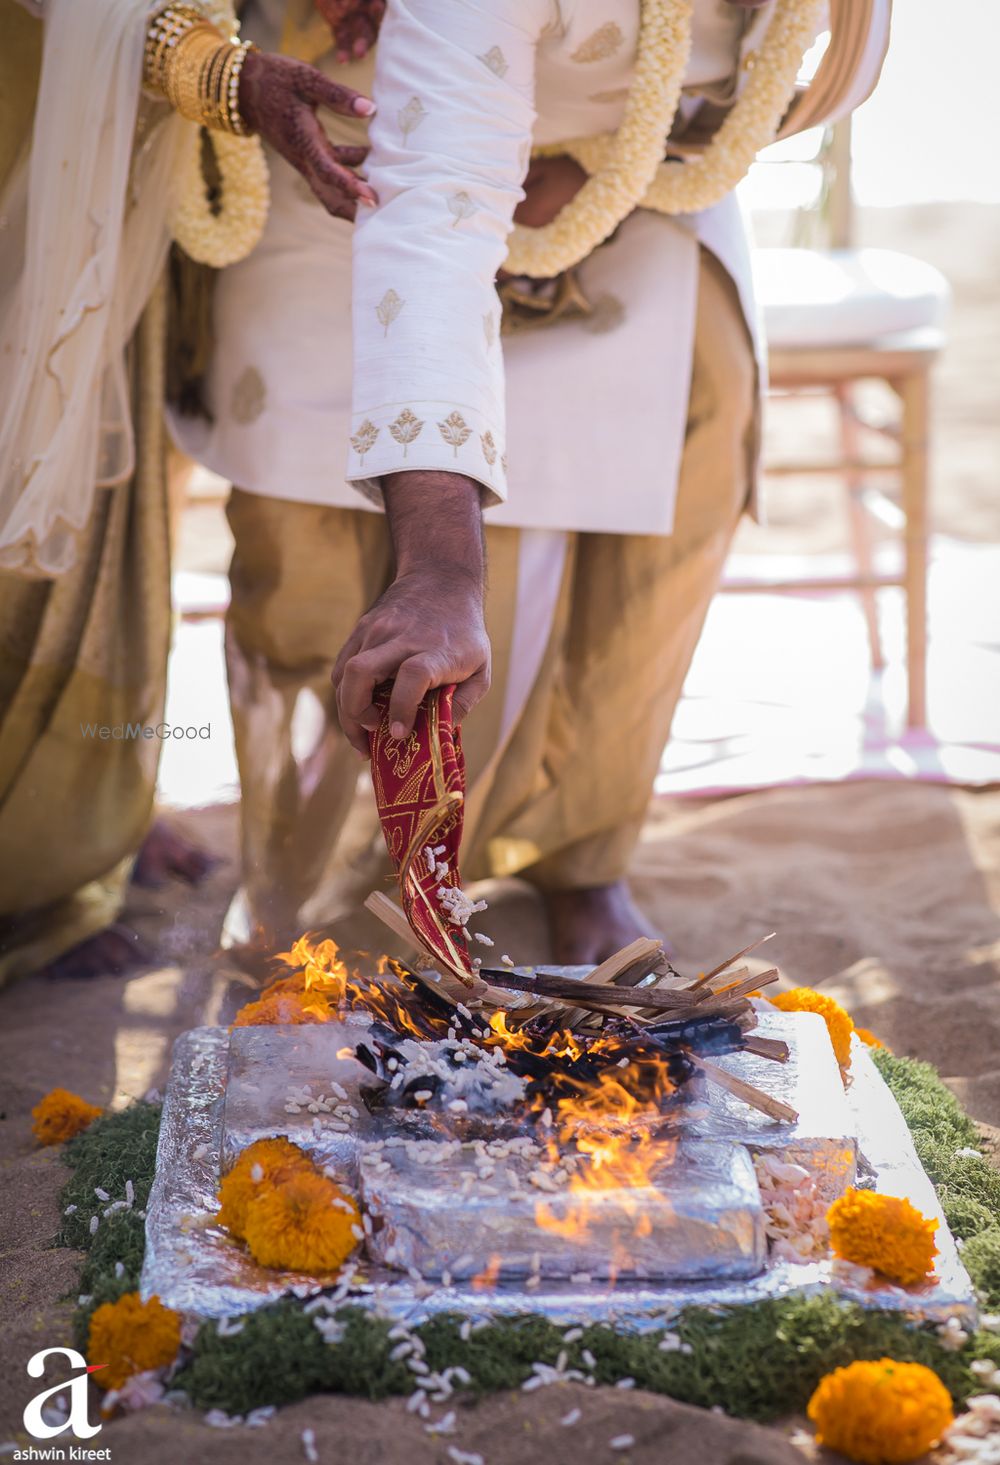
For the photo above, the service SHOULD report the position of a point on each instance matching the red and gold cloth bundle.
(420, 792)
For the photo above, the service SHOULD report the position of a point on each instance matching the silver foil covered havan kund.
(228, 1089)
(514, 1210)
(300, 1082)
(823, 1139)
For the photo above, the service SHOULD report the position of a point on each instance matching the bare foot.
(589, 925)
(110, 953)
(166, 853)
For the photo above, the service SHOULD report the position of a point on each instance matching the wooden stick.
(774, 1048)
(448, 990)
(735, 975)
(642, 949)
(743, 988)
(702, 998)
(756, 1098)
(546, 984)
(625, 968)
(675, 999)
(389, 913)
(707, 976)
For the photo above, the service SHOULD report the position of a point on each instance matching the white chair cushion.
(845, 297)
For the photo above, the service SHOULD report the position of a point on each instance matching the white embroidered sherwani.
(595, 410)
(596, 417)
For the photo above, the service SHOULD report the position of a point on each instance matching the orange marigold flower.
(284, 1007)
(60, 1115)
(130, 1336)
(838, 1022)
(305, 1224)
(884, 1232)
(869, 1039)
(881, 1413)
(258, 1167)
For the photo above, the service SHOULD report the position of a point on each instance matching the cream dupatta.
(86, 236)
(84, 544)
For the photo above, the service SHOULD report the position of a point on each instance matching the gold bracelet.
(210, 81)
(183, 72)
(220, 90)
(166, 28)
(231, 94)
(190, 64)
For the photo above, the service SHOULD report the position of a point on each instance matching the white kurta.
(595, 409)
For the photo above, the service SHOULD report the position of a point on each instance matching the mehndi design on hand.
(278, 99)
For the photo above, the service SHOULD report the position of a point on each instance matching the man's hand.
(427, 630)
(550, 184)
(278, 99)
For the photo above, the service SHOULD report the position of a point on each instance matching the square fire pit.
(476, 1231)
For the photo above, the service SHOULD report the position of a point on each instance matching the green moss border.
(759, 1361)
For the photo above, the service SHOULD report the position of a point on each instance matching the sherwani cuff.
(447, 437)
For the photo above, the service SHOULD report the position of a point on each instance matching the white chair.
(835, 318)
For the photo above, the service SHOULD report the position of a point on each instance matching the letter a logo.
(77, 1390)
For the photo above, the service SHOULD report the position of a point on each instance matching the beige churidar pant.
(560, 794)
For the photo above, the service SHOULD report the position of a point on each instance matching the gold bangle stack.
(189, 63)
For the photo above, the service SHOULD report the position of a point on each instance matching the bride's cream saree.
(85, 592)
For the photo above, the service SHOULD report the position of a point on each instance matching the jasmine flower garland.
(626, 167)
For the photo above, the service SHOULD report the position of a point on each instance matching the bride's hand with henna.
(278, 99)
(354, 24)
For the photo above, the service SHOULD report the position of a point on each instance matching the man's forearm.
(436, 521)
(426, 629)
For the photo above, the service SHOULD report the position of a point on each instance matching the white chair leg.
(914, 394)
(859, 523)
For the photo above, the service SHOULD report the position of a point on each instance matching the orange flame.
(610, 1128)
(321, 987)
(608, 1123)
(487, 1279)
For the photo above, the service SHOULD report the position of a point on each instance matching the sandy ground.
(887, 896)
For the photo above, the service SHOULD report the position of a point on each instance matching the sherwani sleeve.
(454, 86)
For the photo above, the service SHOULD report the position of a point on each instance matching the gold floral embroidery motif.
(616, 94)
(603, 43)
(489, 328)
(249, 396)
(388, 308)
(364, 439)
(455, 430)
(495, 59)
(411, 116)
(461, 206)
(489, 447)
(406, 428)
(503, 463)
